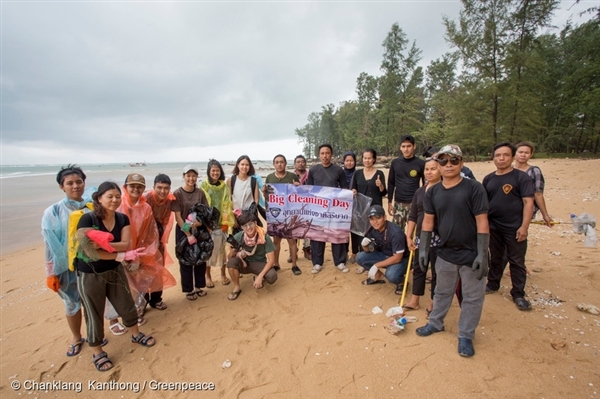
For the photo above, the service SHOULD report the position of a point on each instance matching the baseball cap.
(190, 167)
(450, 149)
(376, 210)
(408, 137)
(135, 178)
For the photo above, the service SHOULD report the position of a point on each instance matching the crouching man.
(252, 252)
(384, 246)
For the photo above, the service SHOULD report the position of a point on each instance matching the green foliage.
(512, 84)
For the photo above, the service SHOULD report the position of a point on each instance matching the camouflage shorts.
(401, 210)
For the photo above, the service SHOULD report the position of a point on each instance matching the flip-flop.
(234, 295)
(410, 307)
(141, 321)
(210, 285)
(370, 281)
(75, 349)
(277, 268)
(121, 329)
(191, 296)
(225, 281)
(200, 293)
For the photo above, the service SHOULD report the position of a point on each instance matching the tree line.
(503, 80)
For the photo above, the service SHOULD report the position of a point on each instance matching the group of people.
(436, 206)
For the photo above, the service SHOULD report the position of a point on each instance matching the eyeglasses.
(454, 161)
(249, 225)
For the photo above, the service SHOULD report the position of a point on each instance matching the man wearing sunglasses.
(405, 177)
(510, 193)
(458, 207)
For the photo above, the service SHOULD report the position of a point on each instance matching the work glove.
(129, 256)
(424, 245)
(53, 283)
(373, 272)
(480, 264)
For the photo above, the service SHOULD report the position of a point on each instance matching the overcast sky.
(163, 82)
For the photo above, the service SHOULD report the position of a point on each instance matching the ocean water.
(27, 190)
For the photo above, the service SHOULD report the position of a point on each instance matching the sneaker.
(465, 347)
(296, 270)
(522, 304)
(316, 269)
(427, 330)
(342, 267)
(360, 270)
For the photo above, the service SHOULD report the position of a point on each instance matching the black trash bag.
(234, 243)
(207, 215)
(201, 251)
(189, 255)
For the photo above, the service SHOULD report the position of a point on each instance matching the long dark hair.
(236, 170)
(103, 188)
(214, 162)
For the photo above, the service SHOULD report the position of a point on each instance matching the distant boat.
(137, 164)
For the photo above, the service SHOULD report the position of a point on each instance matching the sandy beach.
(314, 336)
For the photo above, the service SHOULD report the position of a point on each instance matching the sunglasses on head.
(453, 160)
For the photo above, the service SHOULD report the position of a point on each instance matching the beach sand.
(313, 336)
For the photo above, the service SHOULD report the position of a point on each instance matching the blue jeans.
(393, 273)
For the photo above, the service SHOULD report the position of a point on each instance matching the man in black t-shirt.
(510, 193)
(405, 177)
(327, 174)
(459, 207)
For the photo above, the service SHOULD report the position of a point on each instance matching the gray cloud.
(131, 81)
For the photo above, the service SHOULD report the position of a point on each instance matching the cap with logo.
(376, 210)
(135, 178)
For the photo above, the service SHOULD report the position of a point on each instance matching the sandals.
(75, 349)
(160, 305)
(102, 362)
(399, 289)
(234, 295)
(370, 281)
(191, 296)
(118, 329)
(199, 293)
(225, 281)
(143, 340)
(210, 285)
(141, 321)
(277, 268)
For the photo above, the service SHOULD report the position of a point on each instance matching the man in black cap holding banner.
(384, 247)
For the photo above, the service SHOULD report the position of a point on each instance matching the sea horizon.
(27, 190)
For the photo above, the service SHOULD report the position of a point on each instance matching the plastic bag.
(360, 214)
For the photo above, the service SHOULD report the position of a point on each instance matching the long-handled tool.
(408, 269)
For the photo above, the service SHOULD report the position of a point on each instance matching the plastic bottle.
(591, 239)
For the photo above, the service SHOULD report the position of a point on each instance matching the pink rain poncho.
(152, 275)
